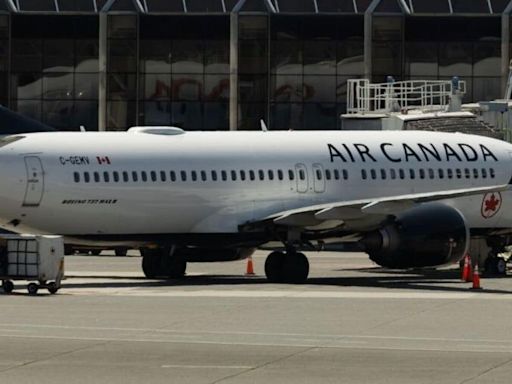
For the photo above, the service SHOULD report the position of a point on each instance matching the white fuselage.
(122, 183)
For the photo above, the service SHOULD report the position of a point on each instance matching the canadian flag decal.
(103, 159)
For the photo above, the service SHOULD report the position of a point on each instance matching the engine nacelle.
(425, 236)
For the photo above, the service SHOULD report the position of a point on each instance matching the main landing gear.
(163, 263)
(287, 267)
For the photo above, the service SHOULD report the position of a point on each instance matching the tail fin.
(12, 123)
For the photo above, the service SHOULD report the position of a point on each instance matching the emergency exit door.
(35, 181)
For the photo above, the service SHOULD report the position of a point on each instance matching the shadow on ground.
(423, 280)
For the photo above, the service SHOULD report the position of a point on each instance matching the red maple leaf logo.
(491, 204)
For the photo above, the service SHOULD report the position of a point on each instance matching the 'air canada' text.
(398, 153)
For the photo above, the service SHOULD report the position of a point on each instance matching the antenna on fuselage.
(263, 126)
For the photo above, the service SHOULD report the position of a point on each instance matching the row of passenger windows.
(430, 173)
(242, 175)
(233, 175)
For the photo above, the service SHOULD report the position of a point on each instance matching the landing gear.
(121, 251)
(495, 266)
(163, 263)
(290, 267)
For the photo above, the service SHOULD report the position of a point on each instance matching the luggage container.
(36, 259)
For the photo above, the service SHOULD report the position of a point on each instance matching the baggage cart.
(36, 259)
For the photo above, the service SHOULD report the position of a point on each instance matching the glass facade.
(54, 69)
(169, 62)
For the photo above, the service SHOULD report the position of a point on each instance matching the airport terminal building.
(226, 64)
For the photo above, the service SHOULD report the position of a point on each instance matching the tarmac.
(353, 322)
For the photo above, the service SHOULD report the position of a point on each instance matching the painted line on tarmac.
(318, 344)
(208, 366)
(257, 294)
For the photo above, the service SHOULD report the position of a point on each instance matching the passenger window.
(484, 173)
(86, 177)
(383, 174)
(412, 174)
(270, 174)
(458, 172)
(125, 177)
(135, 176)
(106, 177)
(163, 176)
(467, 173)
(153, 176)
(233, 175)
(193, 175)
(172, 174)
(116, 176)
(431, 174)
(183, 175)
(144, 176)
(363, 174)
(336, 174)
(76, 176)
(251, 175)
(491, 173)
(327, 174)
(261, 174)
(422, 173)
(203, 175)
(345, 174)
(392, 173)
(224, 175)
(242, 175)
(291, 175)
(96, 177)
(449, 173)
(440, 173)
(280, 174)
(373, 173)
(475, 173)
(401, 172)
(214, 175)
(302, 174)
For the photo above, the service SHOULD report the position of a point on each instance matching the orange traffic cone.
(476, 278)
(250, 267)
(466, 270)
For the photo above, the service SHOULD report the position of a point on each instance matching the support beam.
(233, 71)
(102, 72)
(368, 31)
(505, 53)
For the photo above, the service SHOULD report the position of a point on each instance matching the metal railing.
(364, 97)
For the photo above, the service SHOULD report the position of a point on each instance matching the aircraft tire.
(176, 265)
(274, 267)
(495, 266)
(151, 263)
(121, 251)
(295, 268)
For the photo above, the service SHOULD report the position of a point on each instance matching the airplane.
(407, 198)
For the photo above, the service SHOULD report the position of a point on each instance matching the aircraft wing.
(364, 214)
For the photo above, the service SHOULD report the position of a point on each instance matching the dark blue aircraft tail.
(12, 123)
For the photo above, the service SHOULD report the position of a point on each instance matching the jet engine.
(426, 236)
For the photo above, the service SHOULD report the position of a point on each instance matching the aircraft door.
(319, 178)
(35, 181)
(301, 175)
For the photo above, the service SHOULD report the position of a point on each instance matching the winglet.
(263, 126)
